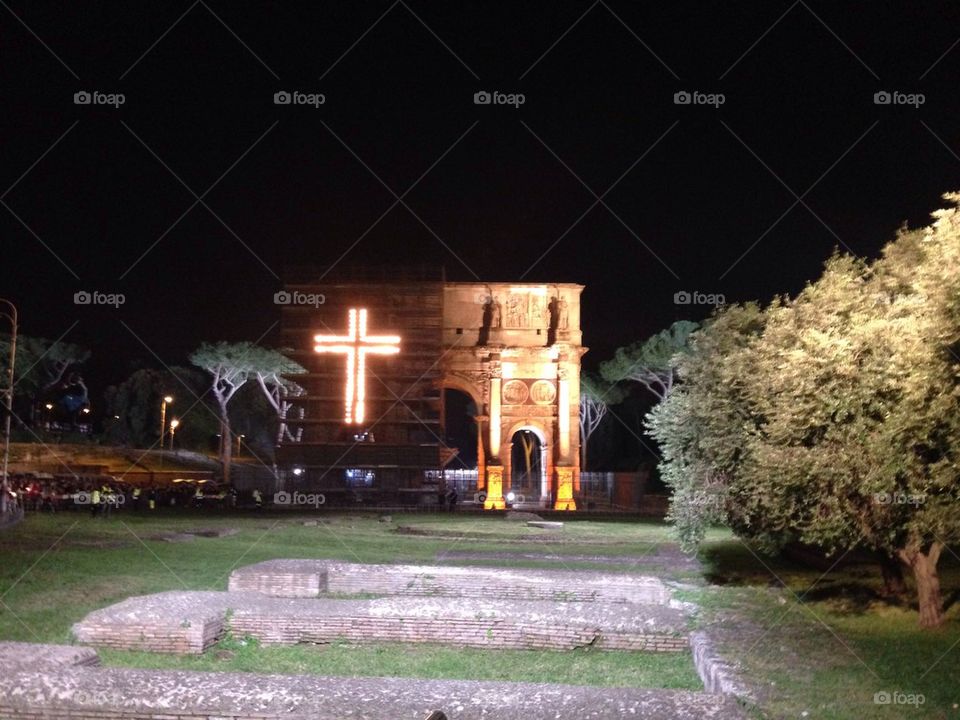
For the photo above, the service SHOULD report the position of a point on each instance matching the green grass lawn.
(824, 645)
(579, 667)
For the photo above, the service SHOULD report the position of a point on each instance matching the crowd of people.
(103, 495)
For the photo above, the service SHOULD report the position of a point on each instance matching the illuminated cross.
(356, 345)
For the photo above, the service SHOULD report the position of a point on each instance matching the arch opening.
(528, 467)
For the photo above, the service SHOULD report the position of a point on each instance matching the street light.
(8, 402)
(167, 399)
(174, 424)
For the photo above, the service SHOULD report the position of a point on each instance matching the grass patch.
(823, 645)
(579, 667)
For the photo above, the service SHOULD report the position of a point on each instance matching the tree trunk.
(924, 567)
(894, 586)
(226, 443)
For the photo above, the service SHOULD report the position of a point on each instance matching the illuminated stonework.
(565, 499)
(515, 349)
(356, 345)
(494, 499)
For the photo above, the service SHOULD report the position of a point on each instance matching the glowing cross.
(356, 345)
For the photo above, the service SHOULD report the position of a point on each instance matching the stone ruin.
(302, 601)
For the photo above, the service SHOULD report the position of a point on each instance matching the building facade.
(368, 418)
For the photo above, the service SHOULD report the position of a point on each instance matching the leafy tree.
(133, 408)
(702, 426)
(652, 363)
(230, 366)
(43, 366)
(831, 418)
(596, 397)
(271, 370)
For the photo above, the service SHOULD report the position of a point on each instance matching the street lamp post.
(174, 424)
(167, 399)
(8, 403)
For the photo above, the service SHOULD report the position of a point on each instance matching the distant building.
(381, 347)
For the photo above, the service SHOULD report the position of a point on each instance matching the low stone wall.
(127, 694)
(311, 578)
(155, 637)
(717, 674)
(461, 632)
(170, 622)
(189, 622)
(17, 656)
(282, 578)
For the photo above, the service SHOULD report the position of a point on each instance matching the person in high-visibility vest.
(257, 498)
(136, 499)
(198, 496)
(108, 500)
(94, 502)
(153, 499)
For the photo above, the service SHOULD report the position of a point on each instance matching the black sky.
(698, 212)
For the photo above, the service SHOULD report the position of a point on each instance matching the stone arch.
(456, 382)
(545, 437)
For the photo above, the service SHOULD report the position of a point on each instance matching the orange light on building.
(494, 499)
(565, 500)
(356, 345)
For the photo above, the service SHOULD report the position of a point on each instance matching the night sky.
(704, 198)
